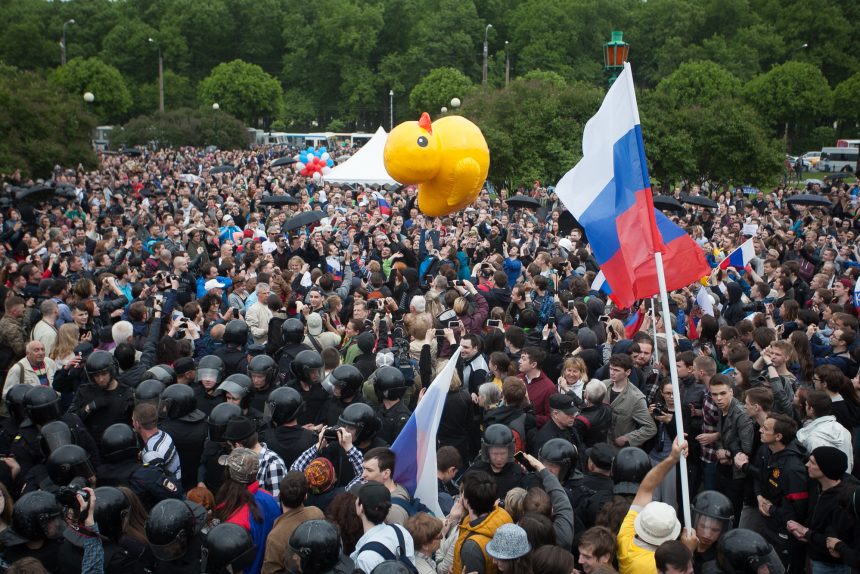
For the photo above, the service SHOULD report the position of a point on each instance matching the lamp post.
(615, 55)
(507, 65)
(455, 103)
(63, 43)
(444, 110)
(216, 107)
(484, 69)
(160, 77)
(390, 110)
(89, 97)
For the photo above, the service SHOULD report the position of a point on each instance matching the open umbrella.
(523, 201)
(222, 169)
(699, 200)
(839, 176)
(279, 200)
(303, 219)
(813, 182)
(809, 199)
(668, 203)
(31, 196)
(131, 152)
(283, 161)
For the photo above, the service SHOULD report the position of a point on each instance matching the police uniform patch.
(168, 484)
(775, 473)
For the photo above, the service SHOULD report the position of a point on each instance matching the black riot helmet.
(148, 391)
(15, 403)
(629, 468)
(344, 382)
(390, 567)
(36, 516)
(178, 401)
(389, 383)
(54, 435)
(211, 368)
(236, 332)
(316, 545)
(263, 366)
(239, 386)
(363, 418)
(100, 362)
(42, 404)
(562, 453)
(743, 551)
(283, 405)
(497, 436)
(713, 508)
(119, 443)
(227, 548)
(161, 373)
(292, 331)
(111, 512)
(307, 367)
(169, 528)
(68, 462)
(218, 419)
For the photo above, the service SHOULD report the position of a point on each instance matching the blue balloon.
(330, 162)
(322, 150)
(310, 151)
(304, 158)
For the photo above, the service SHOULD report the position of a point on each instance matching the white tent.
(366, 167)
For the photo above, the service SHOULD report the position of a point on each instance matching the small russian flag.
(384, 206)
(632, 324)
(740, 257)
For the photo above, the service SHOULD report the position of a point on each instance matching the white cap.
(213, 284)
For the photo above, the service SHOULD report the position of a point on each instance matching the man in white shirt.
(380, 541)
(46, 330)
(157, 444)
(258, 315)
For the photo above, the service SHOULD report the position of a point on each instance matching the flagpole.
(676, 389)
(654, 330)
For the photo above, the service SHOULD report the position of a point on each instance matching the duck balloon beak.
(424, 123)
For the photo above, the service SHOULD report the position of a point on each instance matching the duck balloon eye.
(422, 142)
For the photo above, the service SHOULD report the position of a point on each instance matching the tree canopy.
(243, 90)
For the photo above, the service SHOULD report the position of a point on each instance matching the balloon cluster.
(314, 163)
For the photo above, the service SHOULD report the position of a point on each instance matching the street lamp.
(507, 65)
(444, 110)
(390, 110)
(615, 55)
(63, 43)
(484, 70)
(89, 97)
(160, 77)
(216, 107)
(455, 103)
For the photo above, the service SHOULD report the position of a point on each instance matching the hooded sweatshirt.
(826, 431)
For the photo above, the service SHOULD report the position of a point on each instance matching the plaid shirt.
(710, 423)
(272, 471)
(356, 459)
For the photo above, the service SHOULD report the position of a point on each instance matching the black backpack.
(386, 554)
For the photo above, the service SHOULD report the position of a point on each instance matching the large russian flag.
(415, 446)
(609, 193)
(740, 257)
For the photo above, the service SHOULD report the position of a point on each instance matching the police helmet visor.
(45, 413)
(208, 375)
(52, 526)
(239, 564)
(55, 437)
(82, 469)
(171, 551)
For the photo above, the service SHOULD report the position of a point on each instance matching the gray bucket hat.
(509, 543)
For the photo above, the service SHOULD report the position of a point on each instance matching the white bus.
(838, 159)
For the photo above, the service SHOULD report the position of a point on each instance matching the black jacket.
(289, 442)
(188, 434)
(99, 409)
(781, 478)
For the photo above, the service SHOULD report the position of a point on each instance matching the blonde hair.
(461, 306)
(576, 363)
(67, 340)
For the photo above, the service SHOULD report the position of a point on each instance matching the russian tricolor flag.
(740, 257)
(609, 193)
(415, 447)
(382, 203)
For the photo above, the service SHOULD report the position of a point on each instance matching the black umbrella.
(839, 176)
(283, 161)
(279, 200)
(222, 169)
(668, 203)
(523, 201)
(131, 152)
(809, 199)
(34, 195)
(303, 219)
(699, 200)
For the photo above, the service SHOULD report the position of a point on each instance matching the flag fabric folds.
(609, 193)
(740, 257)
(382, 203)
(415, 447)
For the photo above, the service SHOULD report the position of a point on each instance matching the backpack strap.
(401, 544)
(379, 548)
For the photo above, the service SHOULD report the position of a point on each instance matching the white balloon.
(317, 176)
(325, 156)
(326, 170)
(300, 166)
(297, 157)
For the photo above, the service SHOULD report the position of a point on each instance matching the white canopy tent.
(366, 167)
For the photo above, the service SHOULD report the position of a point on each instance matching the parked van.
(838, 159)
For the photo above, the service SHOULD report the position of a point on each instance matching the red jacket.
(539, 389)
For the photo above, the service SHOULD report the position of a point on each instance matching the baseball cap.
(183, 365)
(314, 324)
(601, 455)
(563, 402)
(242, 464)
(373, 494)
(213, 284)
(239, 428)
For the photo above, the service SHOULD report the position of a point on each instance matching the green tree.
(437, 88)
(112, 97)
(698, 83)
(185, 127)
(846, 100)
(791, 93)
(242, 90)
(127, 47)
(179, 92)
(41, 127)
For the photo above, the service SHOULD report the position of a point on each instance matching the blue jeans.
(825, 568)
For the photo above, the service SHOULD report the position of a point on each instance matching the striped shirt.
(160, 445)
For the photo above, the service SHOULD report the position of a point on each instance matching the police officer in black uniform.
(629, 468)
(186, 424)
(148, 391)
(263, 371)
(227, 548)
(362, 421)
(120, 467)
(283, 434)
(712, 515)
(307, 370)
(293, 331)
(17, 413)
(36, 530)
(164, 374)
(743, 551)
(595, 488)
(389, 385)
(104, 400)
(209, 473)
(233, 352)
(315, 548)
(562, 411)
(505, 471)
(237, 389)
(175, 541)
(210, 373)
(67, 463)
(344, 385)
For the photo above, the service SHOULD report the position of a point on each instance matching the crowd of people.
(205, 370)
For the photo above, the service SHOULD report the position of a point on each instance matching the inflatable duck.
(448, 159)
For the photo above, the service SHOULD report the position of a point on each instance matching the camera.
(67, 497)
(330, 434)
(658, 411)
(373, 304)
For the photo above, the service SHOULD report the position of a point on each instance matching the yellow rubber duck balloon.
(448, 159)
